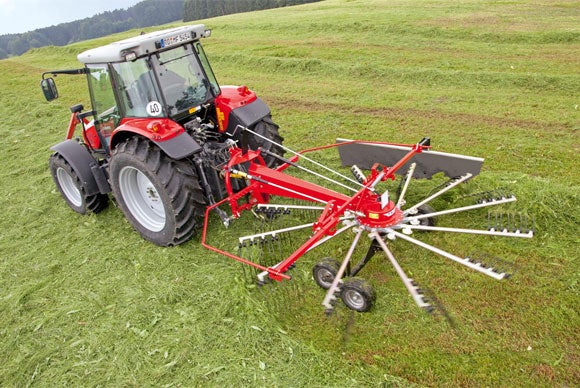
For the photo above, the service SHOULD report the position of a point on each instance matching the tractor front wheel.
(71, 188)
(160, 197)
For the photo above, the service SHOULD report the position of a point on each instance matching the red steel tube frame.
(264, 181)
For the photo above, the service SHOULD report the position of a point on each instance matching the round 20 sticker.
(154, 108)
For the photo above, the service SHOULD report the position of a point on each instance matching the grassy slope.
(85, 301)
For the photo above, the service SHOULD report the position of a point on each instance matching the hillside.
(144, 14)
(85, 301)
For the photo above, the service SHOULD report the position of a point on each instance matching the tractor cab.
(159, 85)
(162, 74)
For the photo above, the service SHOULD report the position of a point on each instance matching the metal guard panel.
(180, 146)
(429, 163)
(252, 113)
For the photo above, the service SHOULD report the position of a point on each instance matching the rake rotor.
(363, 210)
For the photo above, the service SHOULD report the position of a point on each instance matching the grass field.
(84, 301)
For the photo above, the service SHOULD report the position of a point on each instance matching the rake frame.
(365, 211)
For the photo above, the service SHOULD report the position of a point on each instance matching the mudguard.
(248, 115)
(165, 133)
(93, 177)
(179, 147)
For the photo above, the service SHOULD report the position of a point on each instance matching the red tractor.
(161, 125)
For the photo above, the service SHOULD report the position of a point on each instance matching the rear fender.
(238, 106)
(165, 133)
(92, 176)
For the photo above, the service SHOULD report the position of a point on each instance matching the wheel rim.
(142, 199)
(353, 299)
(69, 188)
(324, 277)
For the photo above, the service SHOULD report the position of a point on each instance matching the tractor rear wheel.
(160, 197)
(71, 187)
(268, 129)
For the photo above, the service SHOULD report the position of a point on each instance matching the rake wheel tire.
(357, 294)
(267, 128)
(325, 271)
(71, 187)
(426, 209)
(160, 197)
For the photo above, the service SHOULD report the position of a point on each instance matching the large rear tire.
(269, 130)
(160, 197)
(71, 187)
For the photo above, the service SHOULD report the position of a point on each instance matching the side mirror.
(49, 89)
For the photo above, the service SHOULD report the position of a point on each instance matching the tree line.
(144, 14)
(201, 9)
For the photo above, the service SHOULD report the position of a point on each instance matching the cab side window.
(103, 98)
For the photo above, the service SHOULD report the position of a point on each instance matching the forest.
(144, 14)
(201, 9)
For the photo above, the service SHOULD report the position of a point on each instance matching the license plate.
(175, 40)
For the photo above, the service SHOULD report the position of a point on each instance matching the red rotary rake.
(364, 210)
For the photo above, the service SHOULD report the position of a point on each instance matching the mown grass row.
(85, 301)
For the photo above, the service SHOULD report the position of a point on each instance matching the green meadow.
(84, 301)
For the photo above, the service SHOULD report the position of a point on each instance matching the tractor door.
(104, 104)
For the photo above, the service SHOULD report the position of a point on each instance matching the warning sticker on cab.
(154, 108)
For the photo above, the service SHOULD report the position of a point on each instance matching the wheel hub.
(374, 215)
(142, 199)
(68, 187)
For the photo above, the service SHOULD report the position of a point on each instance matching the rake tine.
(241, 253)
(464, 261)
(461, 209)
(409, 283)
(509, 224)
(437, 307)
(275, 232)
(447, 187)
(495, 263)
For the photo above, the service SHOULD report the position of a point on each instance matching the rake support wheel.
(325, 271)
(426, 209)
(357, 294)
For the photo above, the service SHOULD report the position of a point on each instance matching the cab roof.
(131, 48)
